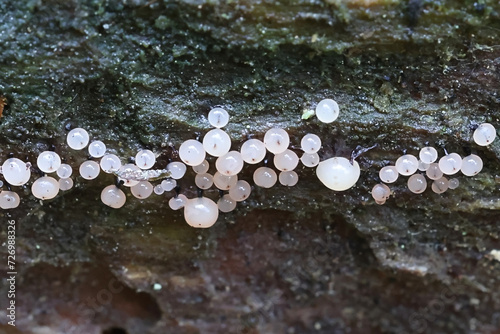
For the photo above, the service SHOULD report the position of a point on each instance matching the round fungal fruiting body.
(226, 204)
(253, 151)
(240, 191)
(484, 134)
(128, 168)
(45, 187)
(110, 163)
(471, 165)
(310, 159)
(16, 172)
(218, 117)
(177, 169)
(338, 173)
(434, 172)
(113, 197)
(276, 140)
(428, 154)
(64, 171)
(89, 170)
(286, 161)
(381, 192)
(450, 164)
(204, 181)
(192, 152)
(48, 161)
(9, 200)
(201, 212)
(422, 166)
(77, 139)
(288, 179)
(327, 110)
(142, 190)
(417, 183)
(310, 143)
(97, 149)
(453, 183)
(224, 182)
(440, 186)
(230, 163)
(168, 184)
(388, 174)
(177, 202)
(158, 189)
(201, 168)
(65, 184)
(145, 159)
(265, 177)
(407, 164)
(216, 142)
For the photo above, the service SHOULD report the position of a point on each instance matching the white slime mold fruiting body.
(338, 173)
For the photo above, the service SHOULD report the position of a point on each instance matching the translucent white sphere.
(240, 191)
(253, 151)
(327, 110)
(77, 138)
(177, 170)
(65, 184)
(158, 189)
(16, 172)
(201, 168)
(177, 202)
(64, 171)
(89, 170)
(276, 140)
(224, 182)
(338, 173)
(204, 181)
(407, 164)
(434, 172)
(110, 163)
(265, 177)
(428, 154)
(484, 134)
(388, 174)
(288, 179)
(310, 143)
(216, 142)
(230, 163)
(97, 149)
(422, 166)
(381, 192)
(218, 117)
(201, 212)
(417, 183)
(440, 186)
(450, 164)
(128, 168)
(113, 197)
(286, 161)
(142, 190)
(48, 161)
(471, 165)
(192, 152)
(9, 200)
(310, 160)
(145, 159)
(168, 184)
(226, 204)
(453, 183)
(45, 187)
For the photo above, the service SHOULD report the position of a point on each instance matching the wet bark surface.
(144, 74)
